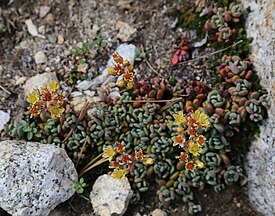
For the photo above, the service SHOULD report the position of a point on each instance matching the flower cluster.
(189, 138)
(122, 162)
(124, 69)
(47, 101)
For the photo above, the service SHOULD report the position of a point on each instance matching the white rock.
(259, 166)
(60, 39)
(114, 95)
(110, 195)
(20, 80)
(38, 81)
(32, 29)
(42, 29)
(127, 51)
(159, 212)
(89, 93)
(202, 42)
(79, 102)
(4, 119)
(44, 10)
(40, 57)
(35, 177)
(125, 31)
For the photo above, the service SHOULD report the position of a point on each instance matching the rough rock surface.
(34, 177)
(110, 195)
(261, 159)
(38, 81)
(4, 118)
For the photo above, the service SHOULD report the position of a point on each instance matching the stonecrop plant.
(182, 135)
(46, 101)
(222, 20)
(122, 68)
(189, 137)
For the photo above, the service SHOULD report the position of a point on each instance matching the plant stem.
(101, 161)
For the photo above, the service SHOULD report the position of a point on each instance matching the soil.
(75, 21)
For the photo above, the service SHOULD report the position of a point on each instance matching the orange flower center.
(192, 121)
(183, 156)
(190, 166)
(127, 76)
(201, 140)
(179, 139)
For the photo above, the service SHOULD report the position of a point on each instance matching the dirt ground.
(79, 21)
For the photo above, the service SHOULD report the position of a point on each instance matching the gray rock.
(38, 81)
(35, 177)
(260, 162)
(44, 10)
(40, 57)
(110, 195)
(32, 29)
(4, 119)
(126, 32)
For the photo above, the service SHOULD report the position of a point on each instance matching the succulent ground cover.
(181, 135)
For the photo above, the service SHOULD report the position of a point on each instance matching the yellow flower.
(180, 118)
(201, 119)
(178, 140)
(180, 130)
(53, 86)
(108, 152)
(196, 115)
(203, 123)
(194, 148)
(199, 164)
(56, 111)
(121, 84)
(119, 174)
(130, 85)
(33, 97)
(112, 71)
(149, 161)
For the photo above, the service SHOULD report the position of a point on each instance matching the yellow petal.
(33, 97)
(53, 86)
(149, 161)
(179, 118)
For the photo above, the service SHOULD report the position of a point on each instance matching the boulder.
(34, 177)
(260, 161)
(110, 196)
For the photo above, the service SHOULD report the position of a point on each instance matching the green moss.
(189, 19)
(242, 141)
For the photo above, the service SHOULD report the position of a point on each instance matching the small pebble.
(50, 19)
(60, 39)
(40, 57)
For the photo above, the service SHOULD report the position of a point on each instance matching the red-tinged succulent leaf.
(175, 57)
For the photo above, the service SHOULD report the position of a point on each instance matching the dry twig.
(80, 117)
(4, 89)
(148, 63)
(81, 152)
(154, 101)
